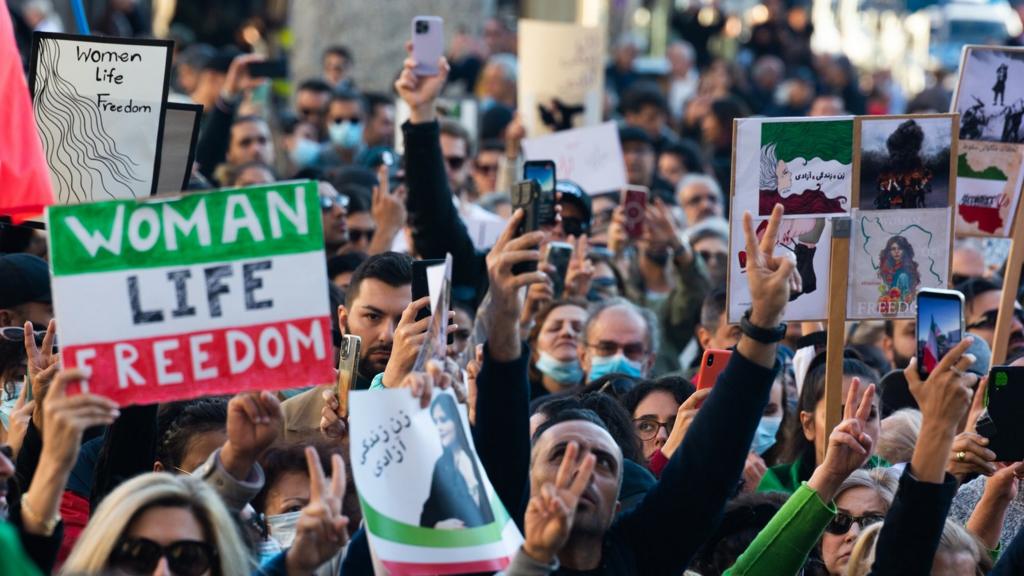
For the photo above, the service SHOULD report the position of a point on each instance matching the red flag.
(24, 175)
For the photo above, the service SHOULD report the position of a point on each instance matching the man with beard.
(981, 306)
(378, 294)
(900, 342)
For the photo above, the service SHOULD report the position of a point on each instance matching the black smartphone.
(543, 172)
(940, 326)
(268, 69)
(558, 254)
(1004, 423)
(526, 195)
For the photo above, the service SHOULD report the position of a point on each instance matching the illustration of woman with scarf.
(898, 272)
(776, 181)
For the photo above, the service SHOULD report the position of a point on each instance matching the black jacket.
(910, 536)
(450, 497)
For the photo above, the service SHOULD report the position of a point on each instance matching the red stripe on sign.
(416, 569)
(273, 356)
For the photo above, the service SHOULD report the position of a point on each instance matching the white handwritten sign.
(590, 157)
(99, 107)
(561, 76)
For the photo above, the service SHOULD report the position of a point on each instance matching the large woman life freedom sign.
(178, 297)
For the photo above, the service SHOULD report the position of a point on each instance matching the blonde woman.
(959, 553)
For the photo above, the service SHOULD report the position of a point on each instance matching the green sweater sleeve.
(783, 545)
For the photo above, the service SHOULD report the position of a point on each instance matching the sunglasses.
(462, 334)
(184, 557)
(987, 321)
(633, 350)
(841, 523)
(17, 334)
(717, 257)
(455, 162)
(647, 428)
(329, 202)
(357, 235)
(486, 168)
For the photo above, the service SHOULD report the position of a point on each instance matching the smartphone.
(712, 364)
(543, 172)
(634, 204)
(558, 254)
(526, 195)
(427, 44)
(940, 326)
(350, 347)
(269, 69)
(1004, 423)
(420, 284)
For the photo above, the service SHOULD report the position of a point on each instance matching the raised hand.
(410, 334)
(549, 515)
(422, 384)
(20, 416)
(238, 79)
(388, 211)
(581, 270)
(331, 424)
(684, 417)
(420, 93)
(322, 530)
(770, 277)
(849, 447)
(42, 363)
(970, 456)
(254, 421)
(68, 417)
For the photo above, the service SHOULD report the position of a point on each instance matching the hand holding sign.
(410, 334)
(549, 515)
(322, 529)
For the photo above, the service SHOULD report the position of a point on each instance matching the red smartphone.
(712, 364)
(634, 204)
(427, 44)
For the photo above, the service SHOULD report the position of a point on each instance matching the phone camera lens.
(422, 27)
(711, 360)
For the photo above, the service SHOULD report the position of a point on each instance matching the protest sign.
(439, 282)
(806, 165)
(178, 149)
(590, 156)
(561, 76)
(177, 297)
(990, 164)
(902, 227)
(428, 505)
(99, 107)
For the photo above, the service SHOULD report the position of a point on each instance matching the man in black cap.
(25, 291)
(638, 155)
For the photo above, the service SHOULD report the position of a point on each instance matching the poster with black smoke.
(905, 161)
(99, 107)
(990, 94)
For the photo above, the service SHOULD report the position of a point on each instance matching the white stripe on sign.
(395, 552)
(131, 304)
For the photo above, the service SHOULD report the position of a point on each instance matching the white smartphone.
(427, 44)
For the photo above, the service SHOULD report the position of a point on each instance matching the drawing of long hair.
(84, 158)
(890, 269)
(769, 178)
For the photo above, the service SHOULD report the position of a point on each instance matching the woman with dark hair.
(554, 362)
(458, 497)
(898, 271)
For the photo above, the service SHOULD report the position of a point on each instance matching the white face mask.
(282, 527)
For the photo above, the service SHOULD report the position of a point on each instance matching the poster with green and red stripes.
(176, 297)
(428, 505)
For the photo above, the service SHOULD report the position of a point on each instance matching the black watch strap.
(763, 335)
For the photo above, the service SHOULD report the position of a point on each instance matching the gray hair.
(650, 320)
(507, 63)
(714, 227)
(698, 179)
(899, 435)
(884, 481)
(769, 164)
(687, 49)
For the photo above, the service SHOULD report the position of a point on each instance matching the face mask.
(618, 364)
(764, 437)
(346, 134)
(282, 527)
(565, 373)
(655, 298)
(7, 406)
(305, 152)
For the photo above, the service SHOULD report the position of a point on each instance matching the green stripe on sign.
(196, 228)
(387, 528)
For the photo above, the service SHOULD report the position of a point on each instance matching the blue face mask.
(565, 373)
(346, 134)
(764, 437)
(305, 153)
(618, 364)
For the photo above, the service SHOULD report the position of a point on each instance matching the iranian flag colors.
(210, 293)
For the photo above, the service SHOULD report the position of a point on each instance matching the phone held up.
(940, 326)
(347, 365)
(543, 172)
(558, 255)
(712, 364)
(1003, 423)
(634, 204)
(427, 44)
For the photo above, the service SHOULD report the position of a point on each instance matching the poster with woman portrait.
(428, 504)
(805, 164)
(893, 254)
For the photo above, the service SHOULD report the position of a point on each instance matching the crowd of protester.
(584, 407)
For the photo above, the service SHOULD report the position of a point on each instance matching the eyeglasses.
(352, 119)
(356, 235)
(841, 523)
(17, 334)
(308, 112)
(455, 162)
(709, 198)
(485, 168)
(987, 321)
(633, 350)
(574, 226)
(647, 428)
(716, 257)
(329, 202)
(184, 557)
(249, 141)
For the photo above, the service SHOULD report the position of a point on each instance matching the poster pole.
(839, 270)
(1007, 300)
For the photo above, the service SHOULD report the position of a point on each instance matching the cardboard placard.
(427, 502)
(178, 150)
(590, 156)
(99, 106)
(176, 297)
(561, 76)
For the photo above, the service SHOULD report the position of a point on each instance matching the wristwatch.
(763, 335)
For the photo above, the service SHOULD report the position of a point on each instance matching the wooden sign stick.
(838, 276)
(1007, 301)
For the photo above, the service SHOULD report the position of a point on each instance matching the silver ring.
(956, 370)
